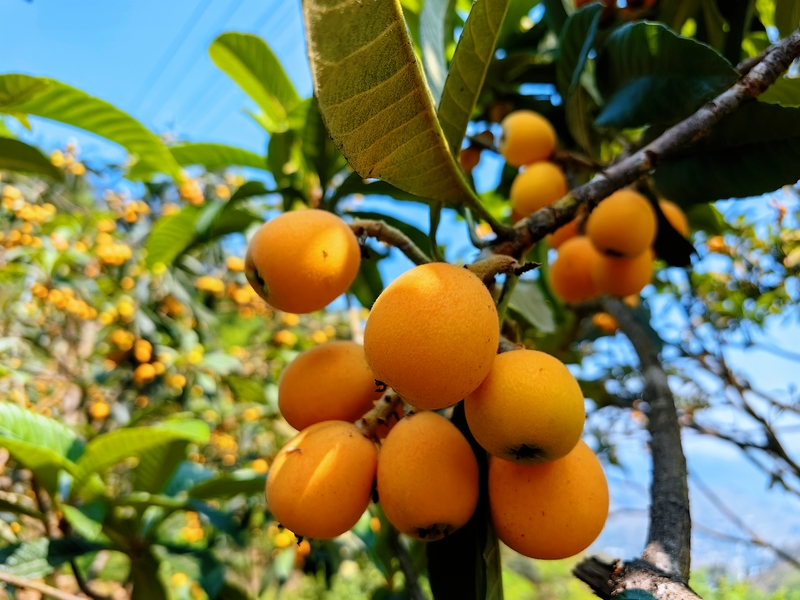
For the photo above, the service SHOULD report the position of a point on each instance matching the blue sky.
(132, 54)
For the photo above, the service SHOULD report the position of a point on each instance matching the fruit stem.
(389, 235)
(486, 269)
(379, 414)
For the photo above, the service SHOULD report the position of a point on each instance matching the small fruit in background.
(301, 261)
(605, 322)
(328, 382)
(320, 482)
(571, 272)
(562, 234)
(529, 409)
(537, 186)
(623, 225)
(622, 276)
(432, 335)
(675, 216)
(427, 477)
(527, 138)
(549, 511)
(469, 158)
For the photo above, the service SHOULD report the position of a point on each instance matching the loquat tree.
(183, 415)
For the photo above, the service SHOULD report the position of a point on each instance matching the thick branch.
(44, 589)
(530, 230)
(610, 579)
(389, 235)
(382, 412)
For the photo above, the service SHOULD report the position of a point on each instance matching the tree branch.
(42, 588)
(530, 230)
(389, 235)
(664, 566)
(406, 566)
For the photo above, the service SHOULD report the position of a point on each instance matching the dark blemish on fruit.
(526, 452)
(380, 386)
(435, 531)
(324, 254)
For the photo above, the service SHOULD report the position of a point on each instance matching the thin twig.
(389, 235)
(83, 584)
(42, 588)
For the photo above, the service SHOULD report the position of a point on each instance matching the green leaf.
(244, 481)
(20, 157)
(785, 91)
(108, 449)
(708, 218)
(247, 190)
(419, 238)
(51, 99)
(751, 152)
(249, 61)
(575, 42)
(787, 16)
(527, 300)
(468, 70)
(318, 147)
(512, 24)
(43, 462)
(41, 557)
(171, 235)
(147, 584)
(87, 521)
(676, 12)
(157, 465)
(26, 426)
(555, 14)
(354, 184)
(374, 100)
(433, 21)
(246, 389)
(648, 74)
(368, 283)
(217, 156)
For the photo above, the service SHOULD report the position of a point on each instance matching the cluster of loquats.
(367, 415)
(615, 255)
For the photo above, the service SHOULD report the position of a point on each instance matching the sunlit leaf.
(217, 156)
(51, 99)
(785, 91)
(527, 299)
(42, 556)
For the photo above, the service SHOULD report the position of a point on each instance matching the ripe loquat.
(328, 382)
(562, 234)
(675, 216)
(432, 335)
(571, 273)
(301, 261)
(320, 483)
(623, 225)
(622, 276)
(549, 511)
(529, 409)
(527, 138)
(537, 186)
(469, 158)
(427, 477)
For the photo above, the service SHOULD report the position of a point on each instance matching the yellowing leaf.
(374, 100)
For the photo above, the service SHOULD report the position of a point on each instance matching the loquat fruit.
(301, 261)
(469, 158)
(623, 225)
(537, 186)
(675, 216)
(529, 409)
(427, 477)
(320, 483)
(328, 382)
(622, 276)
(417, 340)
(549, 511)
(527, 138)
(562, 234)
(571, 273)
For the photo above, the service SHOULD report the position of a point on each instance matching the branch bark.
(42, 588)
(663, 569)
(389, 235)
(530, 230)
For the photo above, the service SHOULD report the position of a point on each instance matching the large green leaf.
(433, 25)
(26, 426)
(171, 235)
(753, 151)
(111, 448)
(374, 99)
(785, 91)
(247, 389)
(217, 156)
(147, 584)
(44, 463)
(51, 99)
(318, 148)
(527, 300)
(19, 156)
(787, 16)
(647, 74)
(41, 557)
(249, 61)
(471, 61)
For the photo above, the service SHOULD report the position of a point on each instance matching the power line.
(170, 52)
(175, 84)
